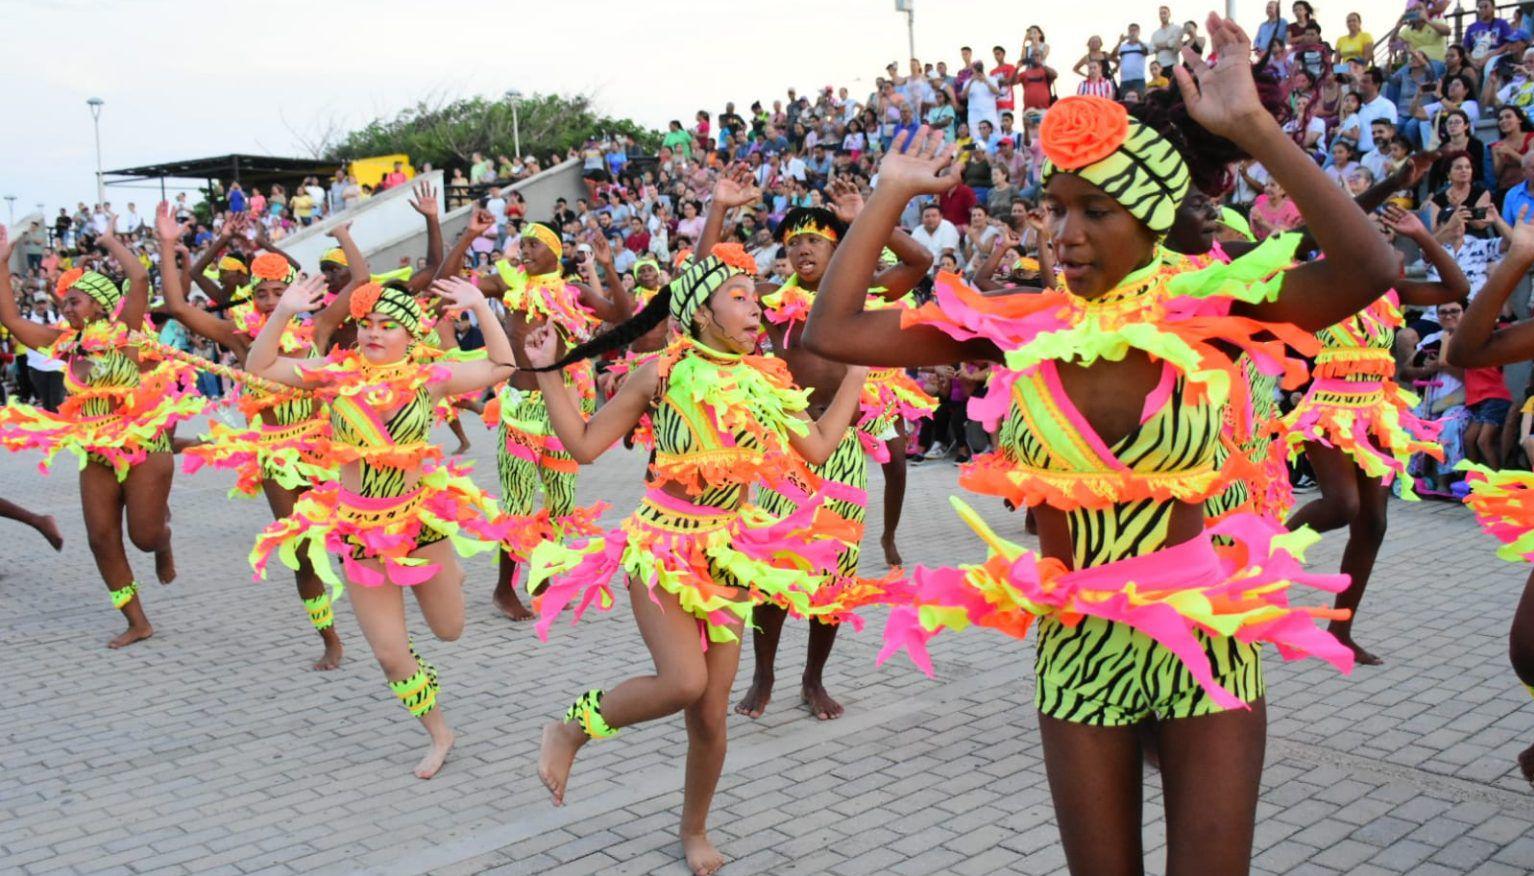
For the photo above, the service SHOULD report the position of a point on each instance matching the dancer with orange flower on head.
(397, 513)
(285, 448)
(528, 455)
(1109, 396)
(118, 418)
(698, 556)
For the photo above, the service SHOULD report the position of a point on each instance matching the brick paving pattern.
(212, 749)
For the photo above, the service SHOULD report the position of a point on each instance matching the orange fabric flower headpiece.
(273, 266)
(1097, 140)
(393, 302)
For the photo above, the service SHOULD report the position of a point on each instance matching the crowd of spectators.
(1361, 106)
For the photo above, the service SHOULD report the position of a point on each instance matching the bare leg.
(505, 595)
(456, 425)
(101, 500)
(813, 692)
(1520, 651)
(281, 500)
(680, 679)
(706, 744)
(1365, 534)
(1094, 779)
(441, 598)
(764, 644)
(894, 494)
(1339, 501)
(146, 494)
(1474, 443)
(1210, 770)
(45, 525)
(381, 615)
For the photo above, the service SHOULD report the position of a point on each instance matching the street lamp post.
(909, 8)
(515, 97)
(95, 105)
(10, 207)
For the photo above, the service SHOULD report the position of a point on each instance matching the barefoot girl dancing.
(283, 450)
(397, 513)
(1356, 425)
(697, 556)
(118, 419)
(1503, 501)
(1109, 396)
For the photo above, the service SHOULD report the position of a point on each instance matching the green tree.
(448, 133)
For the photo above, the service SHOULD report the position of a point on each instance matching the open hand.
(457, 293)
(919, 164)
(846, 200)
(166, 228)
(1223, 97)
(425, 200)
(736, 187)
(305, 296)
(1404, 222)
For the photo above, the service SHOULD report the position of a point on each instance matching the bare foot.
(702, 858)
(757, 697)
(1526, 763)
(556, 754)
(820, 703)
(50, 530)
(1360, 656)
(331, 659)
(432, 762)
(891, 553)
(463, 447)
(132, 634)
(165, 565)
(511, 606)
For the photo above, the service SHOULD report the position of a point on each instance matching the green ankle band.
(423, 664)
(587, 711)
(124, 596)
(417, 693)
(320, 613)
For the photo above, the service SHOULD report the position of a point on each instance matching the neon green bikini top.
(380, 417)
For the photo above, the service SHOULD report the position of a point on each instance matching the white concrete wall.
(376, 223)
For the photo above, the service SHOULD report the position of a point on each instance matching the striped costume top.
(1358, 349)
(111, 374)
(380, 418)
(721, 422)
(260, 406)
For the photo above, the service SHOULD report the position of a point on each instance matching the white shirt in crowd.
(982, 102)
(1378, 108)
(38, 361)
(130, 222)
(944, 238)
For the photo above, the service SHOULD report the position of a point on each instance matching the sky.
(190, 80)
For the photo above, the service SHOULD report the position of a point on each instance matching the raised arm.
(985, 274)
(819, 441)
(736, 187)
(896, 280)
(264, 240)
(1223, 98)
(839, 327)
(209, 255)
(480, 221)
(425, 203)
(1451, 284)
(458, 294)
(135, 301)
(588, 439)
(262, 360)
(328, 320)
(1478, 342)
(616, 305)
(26, 331)
(168, 232)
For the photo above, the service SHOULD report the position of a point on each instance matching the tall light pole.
(95, 105)
(10, 207)
(515, 97)
(909, 8)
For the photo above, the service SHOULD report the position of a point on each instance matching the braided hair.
(619, 336)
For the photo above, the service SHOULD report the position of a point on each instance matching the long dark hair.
(621, 335)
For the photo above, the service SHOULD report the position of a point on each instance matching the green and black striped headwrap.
(1097, 140)
(99, 287)
(391, 301)
(704, 276)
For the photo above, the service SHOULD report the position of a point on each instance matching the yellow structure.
(371, 171)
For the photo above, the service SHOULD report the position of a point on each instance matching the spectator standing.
(480, 169)
(1310, 53)
(45, 374)
(237, 202)
(316, 194)
(1095, 84)
(1131, 54)
(130, 223)
(677, 140)
(1357, 44)
(981, 94)
(1273, 27)
(1430, 36)
(1304, 15)
(1167, 40)
(1038, 81)
(1004, 74)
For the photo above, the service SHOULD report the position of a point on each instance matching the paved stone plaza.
(212, 749)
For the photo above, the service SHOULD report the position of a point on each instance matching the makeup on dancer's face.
(382, 338)
(266, 294)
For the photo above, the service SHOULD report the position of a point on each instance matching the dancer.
(397, 513)
(1356, 426)
(528, 453)
(1501, 499)
(118, 419)
(809, 236)
(45, 525)
(696, 554)
(284, 449)
(1109, 398)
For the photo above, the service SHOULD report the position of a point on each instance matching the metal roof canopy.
(244, 169)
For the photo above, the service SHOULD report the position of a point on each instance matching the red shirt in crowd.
(637, 242)
(1484, 383)
(956, 203)
(1004, 73)
(1035, 83)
